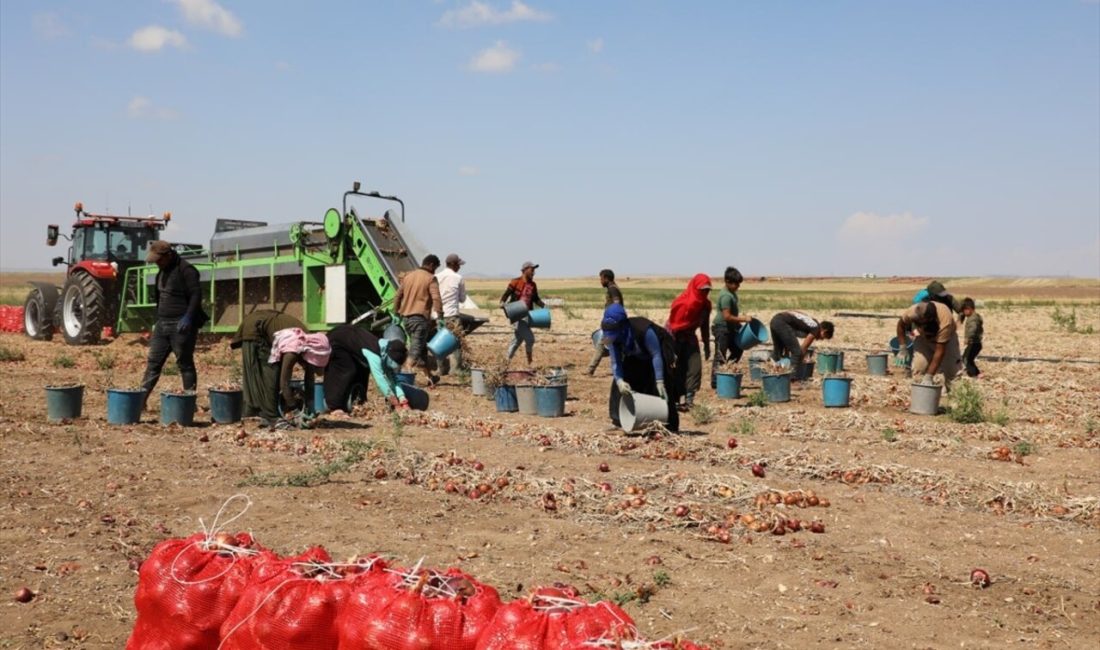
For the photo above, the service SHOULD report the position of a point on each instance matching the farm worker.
(356, 356)
(612, 296)
(179, 317)
(788, 326)
(727, 323)
(291, 347)
(973, 332)
(643, 359)
(690, 311)
(936, 347)
(416, 301)
(259, 379)
(452, 292)
(524, 289)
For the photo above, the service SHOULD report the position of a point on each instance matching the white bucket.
(924, 399)
(525, 397)
(636, 410)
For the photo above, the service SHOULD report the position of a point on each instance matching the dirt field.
(915, 503)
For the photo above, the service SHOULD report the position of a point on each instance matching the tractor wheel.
(82, 310)
(36, 322)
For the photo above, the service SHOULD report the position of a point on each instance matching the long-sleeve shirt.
(261, 325)
(178, 291)
(974, 328)
(521, 289)
(452, 291)
(649, 347)
(383, 376)
(418, 295)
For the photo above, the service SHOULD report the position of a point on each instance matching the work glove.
(706, 351)
(184, 324)
(661, 389)
(624, 388)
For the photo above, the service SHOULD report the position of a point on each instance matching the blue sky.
(824, 138)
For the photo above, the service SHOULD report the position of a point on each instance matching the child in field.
(973, 332)
(727, 323)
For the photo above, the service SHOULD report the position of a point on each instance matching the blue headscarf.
(616, 327)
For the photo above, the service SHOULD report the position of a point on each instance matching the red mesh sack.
(418, 610)
(187, 587)
(554, 618)
(294, 603)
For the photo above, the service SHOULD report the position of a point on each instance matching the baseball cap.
(528, 265)
(157, 250)
(936, 288)
(453, 258)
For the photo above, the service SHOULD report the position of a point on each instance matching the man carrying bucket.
(526, 291)
(643, 358)
(611, 297)
(936, 347)
(727, 323)
(416, 300)
(452, 291)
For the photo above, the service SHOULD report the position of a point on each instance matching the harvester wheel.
(82, 310)
(37, 322)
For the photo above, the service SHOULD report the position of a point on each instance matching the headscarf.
(687, 310)
(395, 351)
(616, 326)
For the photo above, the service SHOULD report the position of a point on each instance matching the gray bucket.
(877, 364)
(636, 410)
(516, 311)
(477, 381)
(925, 399)
(525, 398)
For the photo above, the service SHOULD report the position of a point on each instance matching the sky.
(935, 138)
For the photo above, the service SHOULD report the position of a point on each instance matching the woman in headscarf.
(643, 360)
(690, 311)
(356, 356)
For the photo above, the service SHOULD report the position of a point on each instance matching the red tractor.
(103, 247)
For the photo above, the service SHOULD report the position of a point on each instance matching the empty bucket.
(226, 406)
(515, 311)
(836, 391)
(777, 388)
(177, 408)
(550, 400)
(393, 333)
(828, 362)
(540, 318)
(751, 334)
(406, 378)
(728, 384)
(505, 397)
(418, 398)
(443, 343)
(924, 399)
(64, 402)
(877, 364)
(525, 399)
(636, 410)
(124, 405)
(477, 381)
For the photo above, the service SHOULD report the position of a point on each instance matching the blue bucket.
(443, 343)
(728, 384)
(828, 362)
(506, 399)
(836, 391)
(418, 398)
(777, 388)
(550, 400)
(226, 406)
(540, 318)
(177, 408)
(515, 311)
(894, 345)
(124, 405)
(319, 404)
(406, 378)
(877, 364)
(64, 402)
(751, 334)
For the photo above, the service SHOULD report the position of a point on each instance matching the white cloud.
(154, 38)
(468, 170)
(143, 108)
(870, 228)
(48, 25)
(478, 14)
(595, 45)
(211, 15)
(549, 66)
(496, 59)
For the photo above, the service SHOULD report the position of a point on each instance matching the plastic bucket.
(828, 362)
(406, 378)
(925, 399)
(505, 397)
(477, 381)
(777, 388)
(597, 339)
(178, 408)
(393, 333)
(805, 372)
(443, 343)
(540, 318)
(840, 361)
(525, 399)
(636, 410)
(64, 402)
(551, 400)
(894, 345)
(319, 405)
(756, 369)
(751, 334)
(418, 398)
(728, 384)
(836, 391)
(877, 364)
(515, 311)
(226, 406)
(124, 405)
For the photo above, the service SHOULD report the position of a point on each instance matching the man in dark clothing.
(179, 317)
(260, 380)
(787, 327)
(613, 296)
